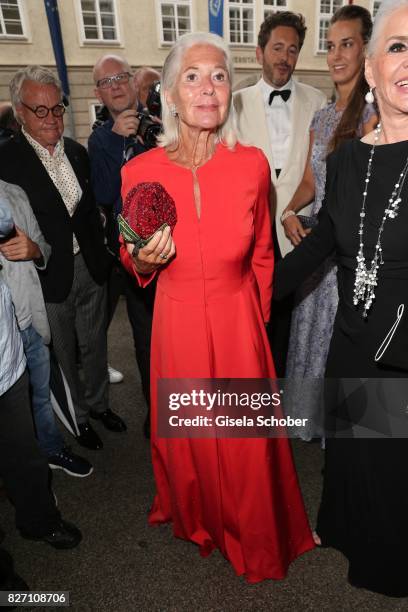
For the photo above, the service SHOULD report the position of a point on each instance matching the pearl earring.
(173, 110)
(369, 97)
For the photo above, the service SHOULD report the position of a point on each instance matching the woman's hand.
(294, 230)
(155, 254)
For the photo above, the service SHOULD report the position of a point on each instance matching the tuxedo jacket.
(253, 129)
(20, 165)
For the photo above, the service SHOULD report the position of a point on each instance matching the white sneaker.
(114, 375)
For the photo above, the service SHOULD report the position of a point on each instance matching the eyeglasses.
(42, 111)
(122, 77)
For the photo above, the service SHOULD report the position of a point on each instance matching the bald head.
(105, 61)
(144, 79)
(120, 94)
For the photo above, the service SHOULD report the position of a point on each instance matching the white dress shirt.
(278, 118)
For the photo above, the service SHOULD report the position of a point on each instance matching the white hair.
(35, 73)
(227, 132)
(387, 7)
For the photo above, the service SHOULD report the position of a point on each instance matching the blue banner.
(51, 8)
(216, 16)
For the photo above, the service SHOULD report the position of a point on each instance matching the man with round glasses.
(42, 111)
(54, 173)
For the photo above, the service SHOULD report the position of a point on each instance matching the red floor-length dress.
(239, 495)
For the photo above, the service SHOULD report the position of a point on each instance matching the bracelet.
(286, 214)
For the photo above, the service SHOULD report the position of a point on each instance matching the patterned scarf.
(62, 175)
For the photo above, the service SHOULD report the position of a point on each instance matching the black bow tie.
(285, 93)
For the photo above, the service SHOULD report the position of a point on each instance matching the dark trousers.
(79, 322)
(23, 468)
(279, 325)
(6, 568)
(140, 304)
(115, 289)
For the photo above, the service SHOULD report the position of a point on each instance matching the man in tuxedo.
(275, 115)
(54, 173)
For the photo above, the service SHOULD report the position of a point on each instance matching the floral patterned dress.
(316, 301)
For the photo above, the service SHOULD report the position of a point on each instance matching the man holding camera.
(109, 146)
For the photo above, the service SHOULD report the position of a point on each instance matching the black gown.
(364, 507)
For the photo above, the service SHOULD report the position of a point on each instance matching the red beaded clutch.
(147, 208)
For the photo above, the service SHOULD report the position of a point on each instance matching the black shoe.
(111, 421)
(64, 535)
(70, 463)
(88, 437)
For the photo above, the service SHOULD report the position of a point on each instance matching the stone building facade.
(143, 31)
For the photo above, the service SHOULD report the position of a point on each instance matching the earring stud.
(369, 97)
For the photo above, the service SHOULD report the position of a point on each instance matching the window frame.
(270, 8)
(98, 41)
(159, 19)
(319, 17)
(24, 37)
(92, 104)
(372, 6)
(239, 4)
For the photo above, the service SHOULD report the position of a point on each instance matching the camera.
(149, 129)
(153, 101)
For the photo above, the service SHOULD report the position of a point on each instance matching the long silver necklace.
(367, 276)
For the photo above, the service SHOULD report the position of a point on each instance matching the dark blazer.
(19, 164)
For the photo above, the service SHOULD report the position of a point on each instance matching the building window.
(99, 20)
(11, 22)
(375, 5)
(94, 109)
(241, 18)
(175, 19)
(274, 6)
(326, 10)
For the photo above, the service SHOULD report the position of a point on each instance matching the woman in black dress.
(364, 507)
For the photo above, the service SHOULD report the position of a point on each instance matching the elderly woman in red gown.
(213, 295)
